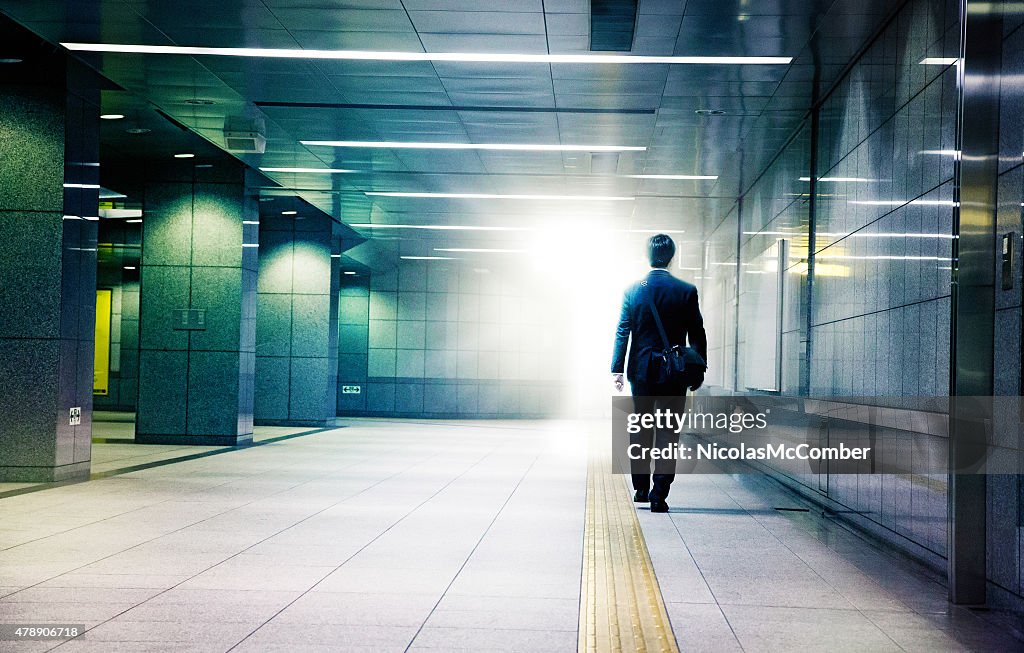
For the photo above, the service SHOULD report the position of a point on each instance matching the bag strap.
(657, 318)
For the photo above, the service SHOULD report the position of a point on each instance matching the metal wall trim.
(972, 322)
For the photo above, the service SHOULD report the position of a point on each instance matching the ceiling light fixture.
(134, 220)
(437, 227)
(480, 250)
(881, 258)
(289, 212)
(428, 258)
(320, 171)
(184, 155)
(939, 61)
(516, 147)
(84, 186)
(688, 177)
(111, 116)
(841, 179)
(474, 57)
(120, 214)
(905, 202)
(496, 196)
(451, 227)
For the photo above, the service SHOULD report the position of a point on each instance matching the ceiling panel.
(657, 26)
(347, 20)
(568, 24)
(459, 6)
(478, 22)
(515, 85)
(347, 40)
(642, 105)
(496, 43)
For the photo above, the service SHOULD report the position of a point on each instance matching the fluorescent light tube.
(693, 177)
(437, 227)
(904, 202)
(840, 179)
(493, 196)
(516, 147)
(479, 250)
(320, 171)
(474, 57)
(449, 227)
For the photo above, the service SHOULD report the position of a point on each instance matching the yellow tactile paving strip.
(621, 607)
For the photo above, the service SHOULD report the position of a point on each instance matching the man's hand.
(617, 379)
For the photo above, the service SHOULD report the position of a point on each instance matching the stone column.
(297, 319)
(197, 326)
(49, 171)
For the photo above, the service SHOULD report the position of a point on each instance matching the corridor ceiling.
(656, 112)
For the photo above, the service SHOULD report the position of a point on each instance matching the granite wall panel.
(195, 384)
(296, 333)
(48, 134)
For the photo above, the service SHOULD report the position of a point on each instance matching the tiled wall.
(295, 314)
(883, 249)
(877, 320)
(432, 339)
(47, 274)
(198, 252)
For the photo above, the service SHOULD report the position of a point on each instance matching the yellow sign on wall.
(101, 364)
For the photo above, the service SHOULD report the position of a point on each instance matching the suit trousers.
(646, 399)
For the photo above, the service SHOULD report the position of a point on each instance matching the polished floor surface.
(404, 535)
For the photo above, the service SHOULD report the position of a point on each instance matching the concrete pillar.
(297, 318)
(49, 150)
(197, 327)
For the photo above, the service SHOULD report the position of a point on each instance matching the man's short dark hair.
(660, 250)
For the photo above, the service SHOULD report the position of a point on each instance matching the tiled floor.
(372, 537)
(737, 574)
(114, 449)
(402, 535)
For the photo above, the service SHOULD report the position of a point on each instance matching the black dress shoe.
(658, 505)
(641, 496)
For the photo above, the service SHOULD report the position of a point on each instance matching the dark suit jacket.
(677, 305)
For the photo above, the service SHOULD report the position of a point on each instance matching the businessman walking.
(676, 304)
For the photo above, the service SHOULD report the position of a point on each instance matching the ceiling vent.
(245, 135)
(604, 163)
(612, 23)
